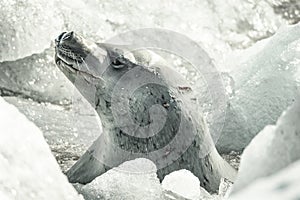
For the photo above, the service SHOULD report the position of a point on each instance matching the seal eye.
(117, 64)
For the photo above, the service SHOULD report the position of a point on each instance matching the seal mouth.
(61, 62)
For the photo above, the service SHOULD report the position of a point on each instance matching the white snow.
(282, 185)
(28, 169)
(274, 148)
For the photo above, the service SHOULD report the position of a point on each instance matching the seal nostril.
(60, 36)
(67, 36)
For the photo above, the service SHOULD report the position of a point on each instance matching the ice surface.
(26, 27)
(274, 148)
(264, 86)
(282, 185)
(28, 169)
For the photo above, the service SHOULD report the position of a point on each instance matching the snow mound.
(274, 148)
(26, 27)
(28, 169)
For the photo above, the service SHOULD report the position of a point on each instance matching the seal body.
(146, 111)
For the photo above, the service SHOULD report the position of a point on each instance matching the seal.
(145, 109)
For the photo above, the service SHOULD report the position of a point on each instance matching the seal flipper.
(98, 159)
(86, 169)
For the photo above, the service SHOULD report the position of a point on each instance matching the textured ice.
(282, 185)
(26, 27)
(28, 169)
(274, 148)
(265, 84)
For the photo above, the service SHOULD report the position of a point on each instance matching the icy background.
(249, 41)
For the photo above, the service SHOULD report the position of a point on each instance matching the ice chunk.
(68, 130)
(187, 186)
(26, 27)
(135, 179)
(36, 77)
(184, 183)
(28, 169)
(264, 86)
(282, 185)
(272, 149)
